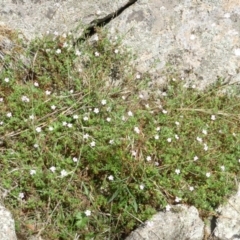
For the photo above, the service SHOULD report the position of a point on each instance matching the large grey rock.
(228, 223)
(199, 39)
(7, 227)
(36, 17)
(181, 222)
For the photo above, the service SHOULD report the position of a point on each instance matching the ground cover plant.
(85, 154)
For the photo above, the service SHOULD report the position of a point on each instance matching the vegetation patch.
(85, 154)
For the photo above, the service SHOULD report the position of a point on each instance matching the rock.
(181, 222)
(7, 227)
(199, 40)
(35, 18)
(228, 222)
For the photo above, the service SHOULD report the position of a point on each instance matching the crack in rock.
(101, 22)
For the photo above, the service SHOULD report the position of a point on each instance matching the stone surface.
(228, 223)
(181, 222)
(199, 39)
(7, 227)
(36, 17)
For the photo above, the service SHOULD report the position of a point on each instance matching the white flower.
(65, 45)
(6, 80)
(75, 159)
(69, 125)
(169, 140)
(85, 136)
(223, 168)
(177, 171)
(50, 128)
(208, 174)
(176, 136)
(195, 158)
(148, 158)
(191, 188)
(164, 111)
(177, 123)
(108, 119)
(36, 84)
(156, 164)
(85, 118)
(213, 117)
(32, 172)
(55, 33)
(75, 116)
(52, 169)
(1, 123)
(199, 139)
(78, 53)
(9, 115)
(205, 147)
(97, 54)
(53, 107)
(38, 129)
(35, 145)
(1, 99)
(123, 118)
(71, 91)
(137, 130)
(111, 141)
(130, 114)
(134, 153)
(92, 144)
(87, 213)
(110, 178)
(25, 99)
(164, 94)
(31, 117)
(177, 199)
(168, 207)
(103, 102)
(116, 51)
(138, 76)
(156, 137)
(158, 129)
(64, 123)
(21, 195)
(48, 92)
(64, 35)
(96, 110)
(204, 131)
(141, 186)
(64, 173)
(141, 96)
(58, 51)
